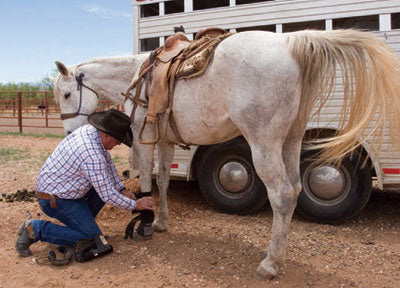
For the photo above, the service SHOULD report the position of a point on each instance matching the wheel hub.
(326, 182)
(233, 176)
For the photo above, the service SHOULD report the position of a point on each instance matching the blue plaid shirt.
(79, 162)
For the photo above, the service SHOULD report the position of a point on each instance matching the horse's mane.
(110, 60)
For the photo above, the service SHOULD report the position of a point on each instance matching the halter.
(79, 80)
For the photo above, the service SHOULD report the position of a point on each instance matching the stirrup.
(141, 141)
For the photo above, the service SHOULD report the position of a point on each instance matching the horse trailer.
(227, 178)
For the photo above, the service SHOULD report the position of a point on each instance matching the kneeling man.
(77, 180)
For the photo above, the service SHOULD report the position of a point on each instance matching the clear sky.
(35, 33)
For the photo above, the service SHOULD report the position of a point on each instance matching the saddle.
(179, 58)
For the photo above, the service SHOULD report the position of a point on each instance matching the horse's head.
(77, 100)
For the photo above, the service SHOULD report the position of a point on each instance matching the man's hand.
(128, 194)
(145, 203)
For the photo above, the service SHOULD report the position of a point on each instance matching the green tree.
(8, 90)
(47, 81)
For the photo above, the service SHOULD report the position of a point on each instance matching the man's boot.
(25, 239)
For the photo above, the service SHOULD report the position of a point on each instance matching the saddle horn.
(179, 29)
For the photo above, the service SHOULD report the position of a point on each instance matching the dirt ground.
(202, 248)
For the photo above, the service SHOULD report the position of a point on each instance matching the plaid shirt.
(79, 162)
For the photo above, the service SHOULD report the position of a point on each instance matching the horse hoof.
(158, 227)
(265, 274)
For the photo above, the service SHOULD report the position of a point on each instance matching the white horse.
(263, 86)
(103, 78)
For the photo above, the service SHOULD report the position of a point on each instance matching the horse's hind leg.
(280, 171)
(165, 157)
(267, 159)
(291, 154)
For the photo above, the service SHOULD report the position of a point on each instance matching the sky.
(35, 33)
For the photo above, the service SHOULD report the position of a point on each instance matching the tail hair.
(370, 73)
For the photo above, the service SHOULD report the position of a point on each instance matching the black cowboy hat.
(114, 123)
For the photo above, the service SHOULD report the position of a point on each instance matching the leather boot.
(24, 240)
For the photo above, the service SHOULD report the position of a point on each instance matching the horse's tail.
(370, 72)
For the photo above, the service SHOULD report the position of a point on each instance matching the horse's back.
(248, 77)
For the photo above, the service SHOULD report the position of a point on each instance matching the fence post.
(13, 107)
(46, 109)
(20, 111)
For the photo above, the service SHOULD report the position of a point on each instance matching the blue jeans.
(78, 215)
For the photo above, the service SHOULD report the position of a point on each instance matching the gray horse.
(265, 86)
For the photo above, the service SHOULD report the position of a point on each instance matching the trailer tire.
(333, 194)
(228, 180)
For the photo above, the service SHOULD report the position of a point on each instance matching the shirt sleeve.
(114, 174)
(98, 175)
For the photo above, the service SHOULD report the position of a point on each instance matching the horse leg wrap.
(145, 219)
(145, 229)
(88, 249)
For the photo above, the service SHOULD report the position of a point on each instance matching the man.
(77, 180)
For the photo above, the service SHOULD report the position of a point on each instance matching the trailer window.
(149, 10)
(395, 17)
(149, 44)
(239, 2)
(270, 28)
(315, 25)
(370, 23)
(208, 4)
(176, 6)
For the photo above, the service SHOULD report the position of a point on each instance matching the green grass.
(118, 160)
(43, 155)
(11, 154)
(41, 135)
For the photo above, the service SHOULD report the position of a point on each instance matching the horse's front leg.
(165, 157)
(144, 154)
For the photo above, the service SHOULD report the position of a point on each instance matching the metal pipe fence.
(35, 110)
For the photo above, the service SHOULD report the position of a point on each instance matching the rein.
(79, 80)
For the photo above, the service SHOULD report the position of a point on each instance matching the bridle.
(79, 80)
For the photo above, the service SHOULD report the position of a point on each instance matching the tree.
(47, 82)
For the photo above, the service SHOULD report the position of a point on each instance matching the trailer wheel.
(228, 180)
(333, 194)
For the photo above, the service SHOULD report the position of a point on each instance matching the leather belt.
(52, 198)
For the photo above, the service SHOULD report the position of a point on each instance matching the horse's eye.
(66, 95)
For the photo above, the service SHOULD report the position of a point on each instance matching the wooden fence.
(36, 110)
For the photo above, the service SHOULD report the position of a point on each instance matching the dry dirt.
(202, 248)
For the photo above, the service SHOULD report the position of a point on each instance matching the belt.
(52, 198)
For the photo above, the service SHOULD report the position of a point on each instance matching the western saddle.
(179, 58)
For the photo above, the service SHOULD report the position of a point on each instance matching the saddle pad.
(198, 55)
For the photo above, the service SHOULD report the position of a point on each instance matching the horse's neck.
(111, 76)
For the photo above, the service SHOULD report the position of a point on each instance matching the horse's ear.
(61, 68)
